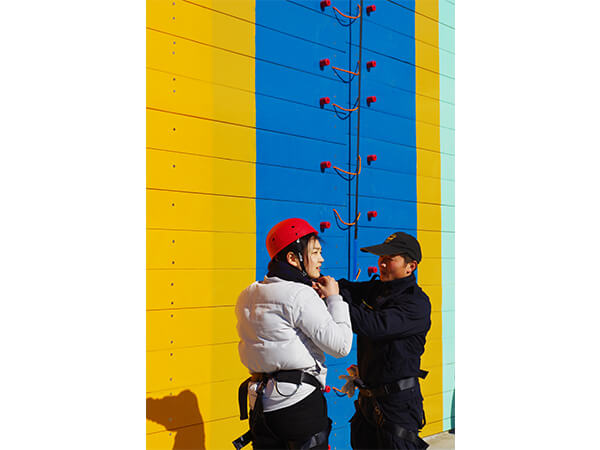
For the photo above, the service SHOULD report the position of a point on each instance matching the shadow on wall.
(181, 415)
(452, 413)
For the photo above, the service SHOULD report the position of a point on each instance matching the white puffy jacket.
(284, 325)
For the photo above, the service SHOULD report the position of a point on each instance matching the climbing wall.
(260, 111)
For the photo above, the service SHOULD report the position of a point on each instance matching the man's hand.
(326, 286)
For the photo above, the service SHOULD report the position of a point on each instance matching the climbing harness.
(257, 414)
(379, 391)
(392, 388)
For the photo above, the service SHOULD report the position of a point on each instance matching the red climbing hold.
(325, 4)
(325, 165)
(371, 158)
(324, 101)
(371, 64)
(371, 99)
(325, 225)
(324, 62)
(370, 9)
(371, 214)
(372, 270)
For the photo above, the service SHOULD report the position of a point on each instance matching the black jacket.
(391, 320)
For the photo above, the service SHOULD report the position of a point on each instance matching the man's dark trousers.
(366, 435)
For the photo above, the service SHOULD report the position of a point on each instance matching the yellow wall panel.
(170, 131)
(195, 288)
(429, 9)
(428, 26)
(433, 354)
(220, 434)
(430, 243)
(432, 427)
(429, 165)
(428, 190)
(182, 367)
(429, 215)
(239, 8)
(429, 197)
(427, 84)
(193, 22)
(167, 249)
(208, 436)
(185, 95)
(433, 291)
(432, 383)
(191, 59)
(191, 405)
(433, 407)
(435, 332)
(436, 305)
(179, 210)
(166, 439)
(429, 138)
(429, 108)
(430, 271)
(191, 85)
(428, 57)
(188, 327)
(193, 173)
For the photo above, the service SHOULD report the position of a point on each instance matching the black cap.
(397, 243)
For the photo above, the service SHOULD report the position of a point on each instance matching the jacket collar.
(284, 271)
(401, 284)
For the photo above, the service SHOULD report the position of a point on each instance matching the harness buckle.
(243, 440)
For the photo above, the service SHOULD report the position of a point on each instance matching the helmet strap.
(301, 259)
(302, 264)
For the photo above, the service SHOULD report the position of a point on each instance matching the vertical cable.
(360, 71)
(350, 267)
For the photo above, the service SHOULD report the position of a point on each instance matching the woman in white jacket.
(286, 324)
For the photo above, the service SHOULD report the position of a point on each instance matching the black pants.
(295, 423)
(366, 434)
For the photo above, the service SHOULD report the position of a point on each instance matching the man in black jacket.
(391, 318)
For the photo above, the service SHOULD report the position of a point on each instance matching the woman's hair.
(297, 247)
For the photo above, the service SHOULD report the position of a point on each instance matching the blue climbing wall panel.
(294, 134)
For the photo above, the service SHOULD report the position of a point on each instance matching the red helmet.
(286, 232)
